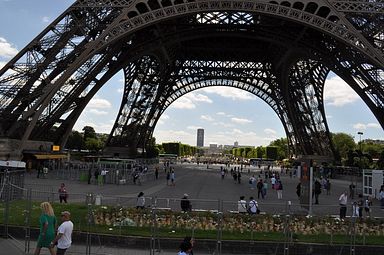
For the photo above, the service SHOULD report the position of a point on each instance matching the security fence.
(115, 172)
(113, 222)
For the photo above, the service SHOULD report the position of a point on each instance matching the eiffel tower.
(280, 51)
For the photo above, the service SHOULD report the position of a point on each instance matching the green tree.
(282, 147)
(75, 141)
(246, 151)
(380, 162)
(373, 149)
(152, 150)
(89, 132)
(93, 144)
(260, 152)
(343, 144)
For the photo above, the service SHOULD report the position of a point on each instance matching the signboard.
(12, 164)
(55, 148)
(305, 184)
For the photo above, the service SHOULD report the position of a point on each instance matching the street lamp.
(361, 152)
(360, 133)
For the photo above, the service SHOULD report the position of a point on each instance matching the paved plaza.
(204, 187)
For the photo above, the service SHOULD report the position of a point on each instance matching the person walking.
(104, 176)
(260, 186)
(367, 206)
(63, 194)
(265, 187)
(252, 206)
(191, 240)
(168, 177)
(328, 187)
(298, 190)
(352, 191)
(47, 222)
(317, 191)
(185, 204)
(64, 234)
(242, 205)
(140, 201)
(343, 199)
(360, 204)
(381, 197)
(185, 248)
(173, 178)
(279, 189)
(156, 173)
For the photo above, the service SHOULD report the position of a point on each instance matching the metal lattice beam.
(280, 51)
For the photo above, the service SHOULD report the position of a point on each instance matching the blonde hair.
(47, 208)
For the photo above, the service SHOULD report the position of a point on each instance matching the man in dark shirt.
(185, 204)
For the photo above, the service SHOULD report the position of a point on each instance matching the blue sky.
(226, 114)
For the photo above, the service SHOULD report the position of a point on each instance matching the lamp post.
(361, 152)
(360, 134)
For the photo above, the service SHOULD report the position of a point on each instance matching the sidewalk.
(15, 247)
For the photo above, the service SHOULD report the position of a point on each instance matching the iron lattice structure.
(280, 51)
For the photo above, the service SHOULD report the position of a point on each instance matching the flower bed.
(232, 222)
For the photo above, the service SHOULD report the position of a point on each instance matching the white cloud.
(373, 125)
(199, 98)
(240, 120)
(338, 93)
(243, 137)
(236, 131)
(206, 117)
(99, 103)
(193, 127)
(97, 112)
(362, 126)
(162, 119)
(229, 92)
(223, 124)
(100, 127)
(190, 101)
(183, 103)
(359, 126)
(46, 19)
(7, 50)
(270, 131)
(175, 136)
(224, 114)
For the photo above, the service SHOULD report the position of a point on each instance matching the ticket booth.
(372, 181)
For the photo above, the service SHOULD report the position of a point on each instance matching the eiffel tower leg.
(303, 93)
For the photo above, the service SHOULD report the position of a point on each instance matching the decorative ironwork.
(280, 51)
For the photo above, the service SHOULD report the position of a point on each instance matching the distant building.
(214, 149)
(200, 137)
(377, 141)
(213, 145)
(236, 144)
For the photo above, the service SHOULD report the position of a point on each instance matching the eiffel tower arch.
(280, 51)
